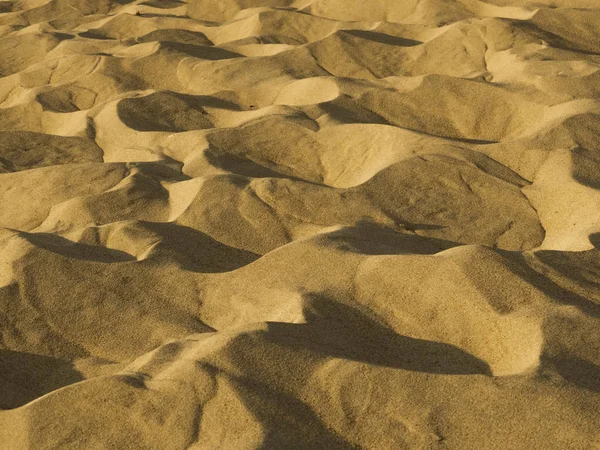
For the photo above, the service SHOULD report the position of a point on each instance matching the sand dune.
(299, 224)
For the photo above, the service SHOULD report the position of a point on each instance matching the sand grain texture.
(299, 224)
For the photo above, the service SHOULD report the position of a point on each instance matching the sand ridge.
(299, 224)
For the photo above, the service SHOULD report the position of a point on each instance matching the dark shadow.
(166, 168)
(582, 267)
(96, 34)
(579, 372)
(60, 245)
(163, 4)
(199, 51)
(6, 7)
(169, 111)
(369, 238)
(26, 376)
(200, 101)
(175, 35)
(289, 422)
(595, 240)
(24, 150)
(286, 8)
(196, 251)
(137, 380)
(172, 16)
(517, 265)
(193, 250)
(63, 36)
(466, 140)
(450, 139)
(346, 110)
(586, 165)
(555, 40)
(162, 111)
(55, 102)
(339, 331)
(383, 38)
(240, 165)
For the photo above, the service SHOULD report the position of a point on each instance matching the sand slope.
(299, 224)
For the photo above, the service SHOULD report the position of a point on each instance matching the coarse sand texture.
(300, 224)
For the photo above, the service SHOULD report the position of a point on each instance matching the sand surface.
(300, 224)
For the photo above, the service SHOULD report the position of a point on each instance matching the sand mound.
(299, 224)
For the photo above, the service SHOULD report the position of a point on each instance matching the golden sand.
(300, 224)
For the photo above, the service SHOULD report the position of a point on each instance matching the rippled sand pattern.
(300, 224)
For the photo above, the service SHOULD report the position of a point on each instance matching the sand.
(300, 224)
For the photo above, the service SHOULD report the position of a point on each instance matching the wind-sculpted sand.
(300, 224)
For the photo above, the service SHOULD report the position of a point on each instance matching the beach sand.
(300, 224)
